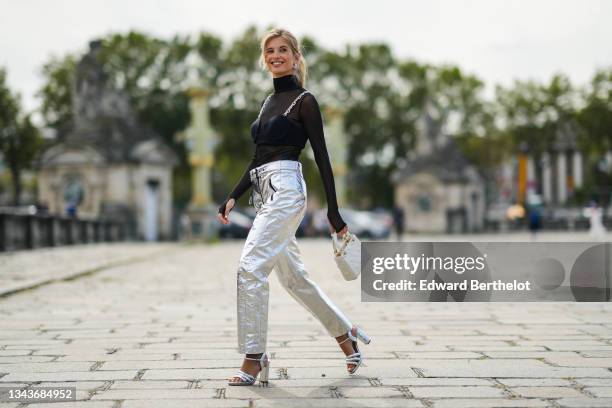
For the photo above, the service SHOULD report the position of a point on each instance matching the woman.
(287, 120)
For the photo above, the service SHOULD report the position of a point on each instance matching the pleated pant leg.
(293, 276)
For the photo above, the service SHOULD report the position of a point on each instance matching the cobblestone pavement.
(160, 331)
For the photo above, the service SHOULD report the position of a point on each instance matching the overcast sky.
(497, 40)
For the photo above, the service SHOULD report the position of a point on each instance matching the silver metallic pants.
(279, 197)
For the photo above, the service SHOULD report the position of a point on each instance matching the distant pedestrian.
(597, 231)
(535, 221)
(185, 222)
(398, 221)
(71, 209)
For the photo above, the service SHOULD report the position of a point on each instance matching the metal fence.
(27, 231)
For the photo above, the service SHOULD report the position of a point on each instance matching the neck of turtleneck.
(285, 83)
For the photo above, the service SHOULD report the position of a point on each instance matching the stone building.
(437, 188)
(108, 165)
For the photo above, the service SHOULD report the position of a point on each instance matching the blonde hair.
(301, 71)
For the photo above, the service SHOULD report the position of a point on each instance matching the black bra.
(280, 129)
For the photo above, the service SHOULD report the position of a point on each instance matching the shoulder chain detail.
(294, 102)
(264, 106)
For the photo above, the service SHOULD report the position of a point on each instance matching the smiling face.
(279, 57)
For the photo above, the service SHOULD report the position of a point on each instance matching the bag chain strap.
(294, 102)
(345, 241)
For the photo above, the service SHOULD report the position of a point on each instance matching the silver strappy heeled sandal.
(355, 359)
(248, 379)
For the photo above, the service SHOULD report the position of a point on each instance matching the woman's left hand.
(339, 233)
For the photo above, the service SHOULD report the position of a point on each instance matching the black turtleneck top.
(282, 138)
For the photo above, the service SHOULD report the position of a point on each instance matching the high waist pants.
(279, 196)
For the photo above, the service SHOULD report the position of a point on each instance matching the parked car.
(239, 226)
(366, 224)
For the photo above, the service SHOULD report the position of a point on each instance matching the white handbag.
(347, 254)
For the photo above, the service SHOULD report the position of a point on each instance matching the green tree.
(56, 93)
(595, 117)
(532, 113)
(19, 139)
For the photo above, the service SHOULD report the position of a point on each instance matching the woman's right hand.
(224, 217)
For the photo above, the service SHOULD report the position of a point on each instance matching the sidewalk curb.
(36, 283)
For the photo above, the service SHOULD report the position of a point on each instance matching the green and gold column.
(337, 147)
(200, 139)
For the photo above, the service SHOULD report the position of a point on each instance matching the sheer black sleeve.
(243, 185)
(310, 115)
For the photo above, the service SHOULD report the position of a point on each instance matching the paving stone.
(75, 404)
(30, 342)
(285, 354)
(145, 385)
(594, 382)
(601, 391)
(370, 392)
(339, 403)
(25, 359)
(504, 368)
(116, 357)
(277, 392)
(320, 382)
(339, 373)
(417, 381)
(567, 345)
(53, 367)
(528, 354)
(578, 361)
(597, 353)
(546, 392)
(488, 403)
(11, 353)
(456, 392)
(418, 348)
(187, 403)
(534, 382)
(508, 347)
(439, 355)
(72, 376)
(80, 385)
(167, 394)
(585, 402)
(193, 374)
(13, 384)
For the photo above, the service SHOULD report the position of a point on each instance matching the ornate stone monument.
(119, 168)
(438, 188)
